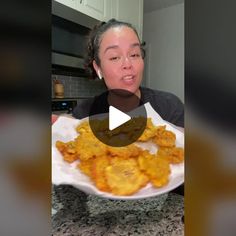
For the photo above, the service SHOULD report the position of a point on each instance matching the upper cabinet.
(130, 11)
(98, 9)
(125, 10)
(69, 3)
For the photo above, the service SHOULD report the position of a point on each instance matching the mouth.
(128, 79)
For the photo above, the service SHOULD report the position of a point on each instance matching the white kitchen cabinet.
(97, 9)
(130, 11)
(69, 3)
(125, 10)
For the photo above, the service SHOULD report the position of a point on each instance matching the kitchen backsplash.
(78, 87)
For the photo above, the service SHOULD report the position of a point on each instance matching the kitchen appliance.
(69, 34)
(63, 106)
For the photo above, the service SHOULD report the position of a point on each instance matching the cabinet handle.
(81, 1)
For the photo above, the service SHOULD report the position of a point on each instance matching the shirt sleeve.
(175, 111)
(82, 109)
(167, 105)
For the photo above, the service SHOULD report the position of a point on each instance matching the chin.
(132, 90)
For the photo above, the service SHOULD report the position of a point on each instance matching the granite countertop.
(75, 213)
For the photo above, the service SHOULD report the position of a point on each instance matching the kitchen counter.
(76, 213)
(71, 98)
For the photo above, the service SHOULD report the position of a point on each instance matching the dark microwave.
(70, 29)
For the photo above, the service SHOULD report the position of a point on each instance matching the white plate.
(64, 173)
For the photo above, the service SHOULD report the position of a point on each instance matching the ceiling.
(153, 5)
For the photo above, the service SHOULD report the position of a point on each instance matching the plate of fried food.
(151, 166)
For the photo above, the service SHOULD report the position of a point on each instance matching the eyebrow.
(111, 47)
(116, 46)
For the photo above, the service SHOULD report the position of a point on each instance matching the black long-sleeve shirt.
(166, 104)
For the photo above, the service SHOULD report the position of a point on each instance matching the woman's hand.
(54, 118)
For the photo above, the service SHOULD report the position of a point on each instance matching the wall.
(163, 31)
(75, 87)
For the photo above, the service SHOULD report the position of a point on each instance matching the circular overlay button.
(117, 117)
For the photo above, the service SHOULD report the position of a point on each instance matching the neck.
(124, 103)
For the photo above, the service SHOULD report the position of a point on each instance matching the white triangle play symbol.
(117, 118)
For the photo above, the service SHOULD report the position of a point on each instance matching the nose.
(127, 63)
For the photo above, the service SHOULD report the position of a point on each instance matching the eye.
(135, 55)
(116, 58)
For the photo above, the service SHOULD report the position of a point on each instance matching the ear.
(97, 69)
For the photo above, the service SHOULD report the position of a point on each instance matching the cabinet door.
(130, 11)
(69, 3)
(98, 9)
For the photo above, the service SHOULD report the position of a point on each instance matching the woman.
(115, 54)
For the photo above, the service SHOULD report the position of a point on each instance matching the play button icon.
(117, 118)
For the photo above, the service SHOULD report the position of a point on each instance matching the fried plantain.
(149, 132)
(164, 138)
(174, 155)
(123, 170)
(157, 169)
(124, 177)
(86, 167)
(88, 146)
(98, 172)
(68, 150)
(128, 151)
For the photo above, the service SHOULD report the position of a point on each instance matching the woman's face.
(121, 62)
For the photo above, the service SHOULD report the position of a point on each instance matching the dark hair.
(94, 40)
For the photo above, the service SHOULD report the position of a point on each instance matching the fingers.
(54, 118)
